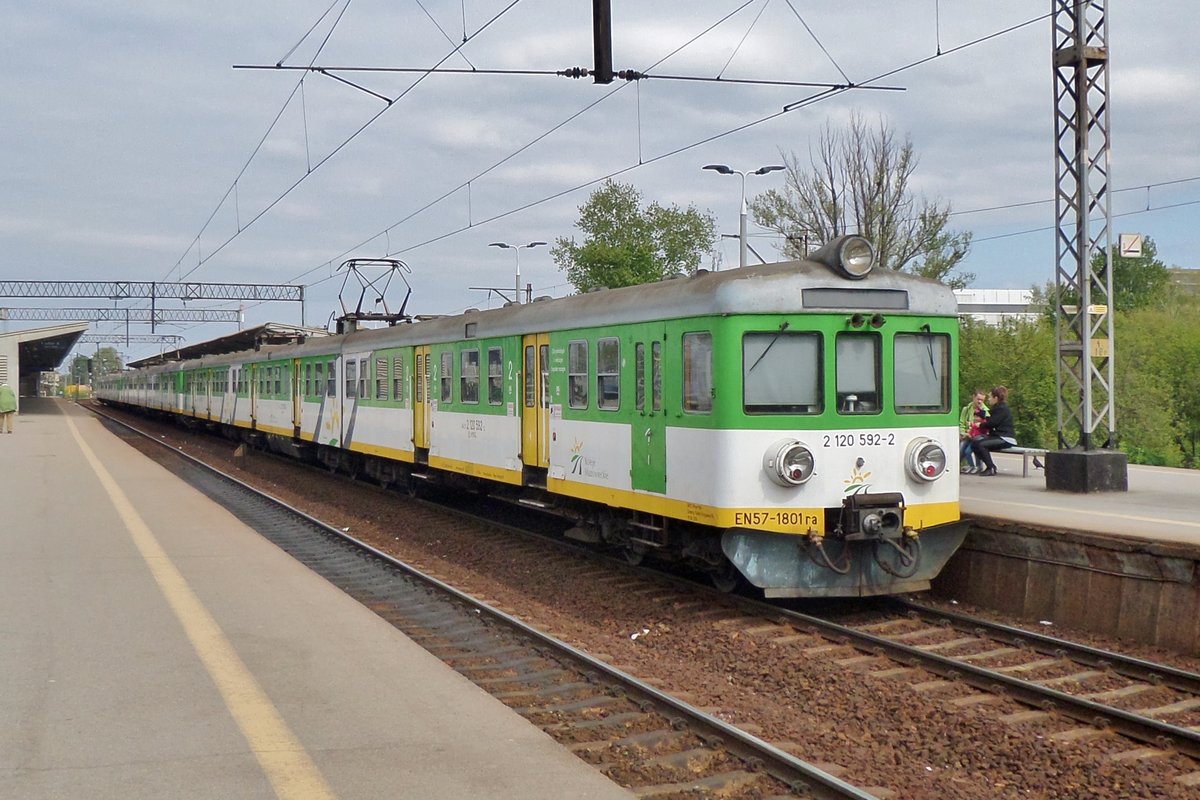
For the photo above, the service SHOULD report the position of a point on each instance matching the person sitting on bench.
(998, 432)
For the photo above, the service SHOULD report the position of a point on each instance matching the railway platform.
(1125, 564)
(1162, 504)
(153, 646)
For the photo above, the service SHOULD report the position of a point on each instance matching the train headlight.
(850, 256)
(788, 462)
(925, 459)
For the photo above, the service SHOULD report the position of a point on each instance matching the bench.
(1026, 454)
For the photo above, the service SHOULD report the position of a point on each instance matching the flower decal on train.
(577, 457)
(857, 482)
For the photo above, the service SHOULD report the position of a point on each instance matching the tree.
(106, 360)
(859, 183)
(626, 244)
(1137, 282)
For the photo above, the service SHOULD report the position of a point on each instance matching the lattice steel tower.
(1083, 209)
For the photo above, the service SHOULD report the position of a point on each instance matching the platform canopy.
(248, 339)
(25, 354)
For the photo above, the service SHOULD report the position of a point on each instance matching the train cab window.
(447, 377)
(608, 378)
(381, 379)
(922, 382)
(781, 373)
(697, 373)
(495, 376)
(351, 379)
(469, 378)
(858, 373)
(577, 374)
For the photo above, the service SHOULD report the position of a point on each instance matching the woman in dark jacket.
(997, 428)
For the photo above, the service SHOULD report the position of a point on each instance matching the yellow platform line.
(282, 757)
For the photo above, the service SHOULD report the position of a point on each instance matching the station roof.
(248, 339)
(43, 349)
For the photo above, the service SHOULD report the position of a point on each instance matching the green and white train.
(791, 424)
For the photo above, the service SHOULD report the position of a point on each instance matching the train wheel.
(633, 556)
(726, 579)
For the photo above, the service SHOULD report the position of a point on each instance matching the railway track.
(1055, 680)
(973, 640)
(645, 739)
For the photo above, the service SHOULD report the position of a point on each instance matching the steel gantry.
(155, 291)
(126, 315)
(1083, 210)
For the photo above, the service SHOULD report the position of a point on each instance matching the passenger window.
(319, 379)
(781, 373)
(544, 361)
(381, 379)
(530, 368)
(608, 378)
(351, 379)
(577, 374)
(697, 372)
(656, 398)
(331, 381)
(922, 381)
(858, 373)
(447, 377)
(362, 379)
(495, 376)
(639, 367)
(470, 376)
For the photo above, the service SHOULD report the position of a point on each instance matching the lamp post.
(516, 248)
(727, 170)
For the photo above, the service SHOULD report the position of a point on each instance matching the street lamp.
(726, 170)
(516, 248)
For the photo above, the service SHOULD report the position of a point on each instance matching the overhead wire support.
(151, 315)
(150, 290)
(570, 72)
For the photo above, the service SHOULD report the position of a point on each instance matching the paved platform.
(1161, 504)
(152, 646)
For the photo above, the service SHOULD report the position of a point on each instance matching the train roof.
(787, 287)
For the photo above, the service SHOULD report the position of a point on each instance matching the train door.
(297, 396)
(535, 401)
(422, 419)
(208, 393)
(649, 447)
(253, 387)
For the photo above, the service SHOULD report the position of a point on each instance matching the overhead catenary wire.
(799, 104)
(811, 99)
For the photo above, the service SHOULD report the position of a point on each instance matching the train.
(786, 426)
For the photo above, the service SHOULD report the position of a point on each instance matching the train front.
(850, 437)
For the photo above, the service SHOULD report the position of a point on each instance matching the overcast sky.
(130, 149)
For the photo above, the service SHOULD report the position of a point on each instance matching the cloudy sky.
(131, 149)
